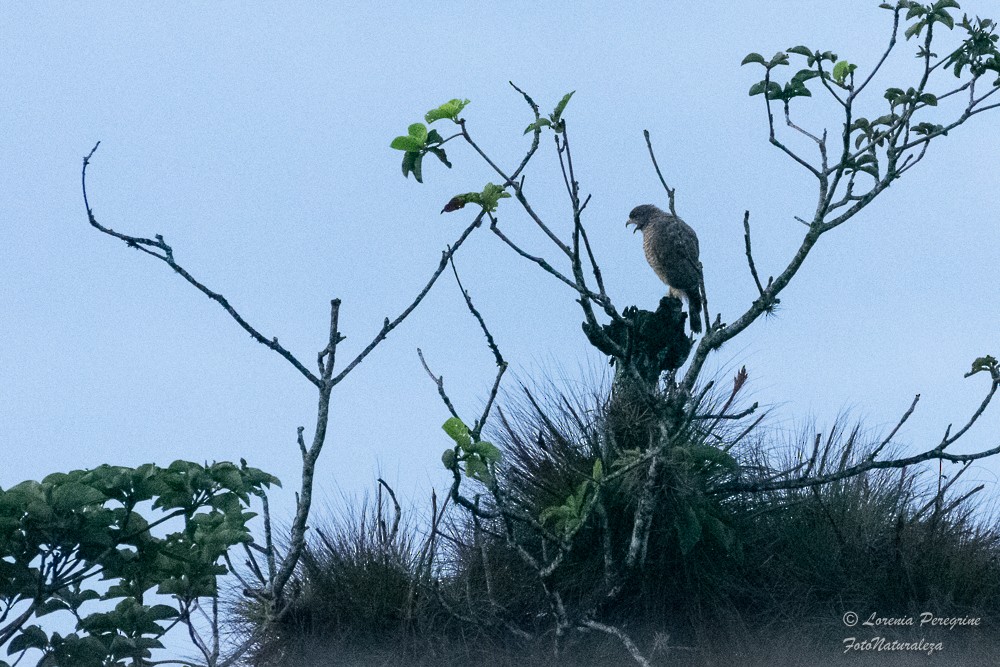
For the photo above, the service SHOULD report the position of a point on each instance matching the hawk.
(672, 250)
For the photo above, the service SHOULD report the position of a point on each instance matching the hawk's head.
(642, 216)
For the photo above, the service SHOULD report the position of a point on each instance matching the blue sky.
(256, 140)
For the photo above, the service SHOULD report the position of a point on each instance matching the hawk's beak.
(632, 222)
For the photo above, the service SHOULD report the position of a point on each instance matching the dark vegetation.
(767, 584)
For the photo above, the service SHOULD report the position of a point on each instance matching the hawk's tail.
(694, 307)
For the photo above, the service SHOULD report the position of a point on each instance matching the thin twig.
(439, 381)
(753, 267)
(166, 255)
(670, 190)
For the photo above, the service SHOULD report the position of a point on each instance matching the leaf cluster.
(554, 119)
(418, 141)
(479, 456)
(489, 199)
(59, 534)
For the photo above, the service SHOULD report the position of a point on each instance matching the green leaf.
(914, 29)
(801, 50)
(30, 637)
(894, 95)
(757, 88)
(773, 91)
(929, 99)
(476, 469)
(415, 166)
(795, 89)
(418, 131)
(406, 143)
(441, 155)
(779, 58)
(753, 58)
(841, 70)
(75, 495)
(537, 125)
(457, 431)
(433, 138)
(598, 471)
(448, 458)
(449, 110)
(408, 159)
(805, 74)
(51, 605)
(488, 451)
(491, 196)
(557, 114)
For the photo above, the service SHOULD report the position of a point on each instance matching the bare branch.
(389, 326)
(479, 318)
(670, 190)
(878, 65)
(439, 381)
(746, 238)
(845, 472)
(892, 434)
(166, 255)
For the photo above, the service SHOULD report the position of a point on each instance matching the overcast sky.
(256, 140)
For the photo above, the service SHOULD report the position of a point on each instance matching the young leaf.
(538, 124)
(557, 114)
(418, 131)
(488, 451)
(780, 58)
(841, 70)
(801, 50)
(406, 143)
(914, 29)
(448, 458)
(754, 58)
(457, 431)
(449, 110)
(476, 469)
(491, 196)
(454, 204)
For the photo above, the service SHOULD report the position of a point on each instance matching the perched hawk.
(672, 250)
